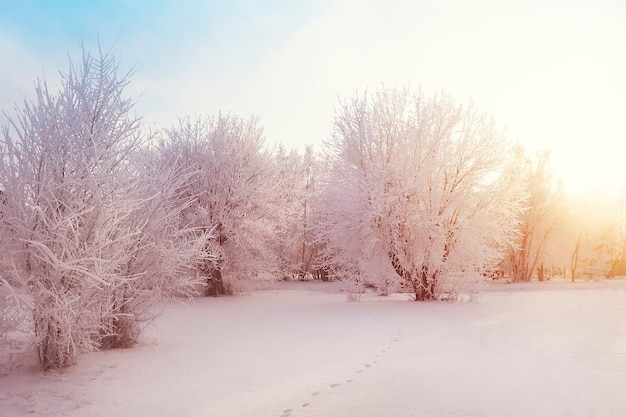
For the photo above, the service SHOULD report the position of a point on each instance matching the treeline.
(100, 219)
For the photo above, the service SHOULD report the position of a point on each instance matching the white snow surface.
(300, 349)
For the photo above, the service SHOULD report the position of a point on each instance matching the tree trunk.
(423, 284)
(427, 287)
(418, 290)
(215, 284)
(574, 262)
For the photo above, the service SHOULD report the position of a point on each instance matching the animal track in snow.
(288, 412)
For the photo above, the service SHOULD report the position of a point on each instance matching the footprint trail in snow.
(369, 365)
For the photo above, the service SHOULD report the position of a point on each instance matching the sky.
(550, 72)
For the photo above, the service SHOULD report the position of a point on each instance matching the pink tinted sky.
(551, 72)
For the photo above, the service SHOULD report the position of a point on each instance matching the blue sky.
(550, 71)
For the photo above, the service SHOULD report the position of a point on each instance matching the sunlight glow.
(549, 72)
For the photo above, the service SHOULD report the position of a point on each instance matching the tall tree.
(593, 234)
(418, 193)
(537, 222)
(236, 190)
(617, 251)
(297, 244)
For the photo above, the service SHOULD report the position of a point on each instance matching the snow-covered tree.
(419, 193)
(591, 235)
(617, 251)
(297, 245)
(237, 192)
(90, 231)
(538, 220)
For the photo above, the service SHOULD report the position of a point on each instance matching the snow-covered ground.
(541, 349)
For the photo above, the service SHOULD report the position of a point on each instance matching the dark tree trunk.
(215, 284)
(423, 285)
(427, 287)
(418, 290)
(213, 271)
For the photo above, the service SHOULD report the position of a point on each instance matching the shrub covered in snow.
(91, 230)
(238, 193)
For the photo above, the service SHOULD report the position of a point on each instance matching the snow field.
(540, 349)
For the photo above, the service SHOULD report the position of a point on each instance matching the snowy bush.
(159, 256)
(418, 193)
(15, 311)
(237, 194)
(94, 230)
